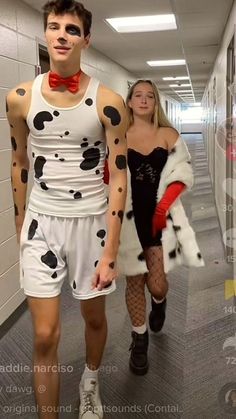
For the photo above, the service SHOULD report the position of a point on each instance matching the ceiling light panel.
(165, 63)
(175, 78)
(143, 23)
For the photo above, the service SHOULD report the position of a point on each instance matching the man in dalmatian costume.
(68, 229)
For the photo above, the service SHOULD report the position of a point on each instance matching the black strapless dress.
(145, 177)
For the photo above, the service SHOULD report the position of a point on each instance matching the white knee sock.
(158, 301)
(93, 374)
(140, 329)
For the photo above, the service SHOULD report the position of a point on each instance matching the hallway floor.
(188, 365)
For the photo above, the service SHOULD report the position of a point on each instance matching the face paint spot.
(21, 92)
(172, 254)
(24, 176)
(113, 213)
(101, 234)
(14, 164)
(13, 143)
(54, 275)
(103, 243)
(49, 259)
(56, 113)
(113, 114)
(32, 229)
(7, 108)
(14, 189)
(74, 285)
(121, 162)
(95, 263)
(38, 166)
(97, 143)
(117, 141)
(41, 118)
(120, 190)
(97, 172)
(71, 191)
(67, 133)
(62, 159)
(43, 186)
(121, 215)
(129, 214)
(141, 257)
(112, 265)
(91, 159)
(78, 195)
(89, 102)
(16, 210)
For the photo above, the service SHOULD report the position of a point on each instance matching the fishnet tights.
(155, 281)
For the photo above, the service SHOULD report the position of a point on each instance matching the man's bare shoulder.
(109, 97)
(20, 93)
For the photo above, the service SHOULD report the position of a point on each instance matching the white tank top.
(68, 149)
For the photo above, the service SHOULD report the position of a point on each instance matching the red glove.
(159, 218)
(106, 175)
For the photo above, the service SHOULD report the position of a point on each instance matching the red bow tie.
(72, 82)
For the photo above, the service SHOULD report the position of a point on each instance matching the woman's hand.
(105, 273)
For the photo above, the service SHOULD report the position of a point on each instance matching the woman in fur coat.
(156, 235)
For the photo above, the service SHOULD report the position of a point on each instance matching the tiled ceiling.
(197, 39)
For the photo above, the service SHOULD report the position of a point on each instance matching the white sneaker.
(90, 402)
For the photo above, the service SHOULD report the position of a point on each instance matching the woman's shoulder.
(170, 135)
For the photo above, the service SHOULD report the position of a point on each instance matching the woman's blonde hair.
(159, 119)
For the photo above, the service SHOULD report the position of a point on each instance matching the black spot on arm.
(24, 176)
(117, 141)
(21, 92)
(121, 162)
(13, 143)
(121, 215)
(16, 210)
(112, 265)
(113, 114)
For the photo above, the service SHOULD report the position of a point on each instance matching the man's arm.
(15, 106)
(114, 119)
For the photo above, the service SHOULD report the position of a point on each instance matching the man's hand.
(104, 274)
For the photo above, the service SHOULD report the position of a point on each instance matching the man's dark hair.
(61, 7)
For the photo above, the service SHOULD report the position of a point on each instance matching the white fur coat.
(178, 238)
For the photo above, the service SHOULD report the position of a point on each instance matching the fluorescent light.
(180, 85)
(163, 63)
(175, 78)
(143, 23)
(183, 91)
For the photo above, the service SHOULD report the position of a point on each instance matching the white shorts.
(53, 248)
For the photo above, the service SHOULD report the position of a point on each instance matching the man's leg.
(93, 312)
(46, 322)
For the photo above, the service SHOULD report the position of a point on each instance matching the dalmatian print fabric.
(68, 150)
(72, 249)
